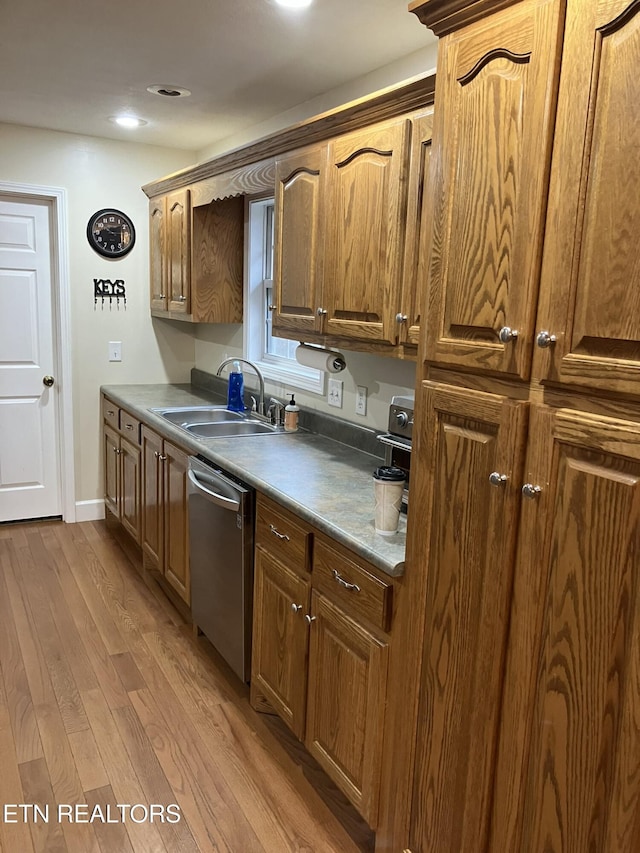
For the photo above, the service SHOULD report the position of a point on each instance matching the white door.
(29, 464)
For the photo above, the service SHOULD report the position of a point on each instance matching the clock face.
(111, 233)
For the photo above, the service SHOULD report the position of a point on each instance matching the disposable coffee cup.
(388, 483)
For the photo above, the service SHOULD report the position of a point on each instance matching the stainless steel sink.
(216, 422)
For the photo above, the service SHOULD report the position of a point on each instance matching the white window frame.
(274, 368)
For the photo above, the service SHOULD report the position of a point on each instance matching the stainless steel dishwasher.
(221, 525)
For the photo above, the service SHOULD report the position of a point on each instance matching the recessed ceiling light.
(127, 121)
(294, 4)
(168, 91)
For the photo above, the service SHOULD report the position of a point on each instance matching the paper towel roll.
(320, 358)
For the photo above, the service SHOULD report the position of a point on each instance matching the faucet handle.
(254, 403)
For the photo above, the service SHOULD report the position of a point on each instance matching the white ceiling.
(70, 64)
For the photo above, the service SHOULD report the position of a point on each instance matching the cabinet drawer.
(356, 590)
(110, 413)
(130, 426)
(285, 539)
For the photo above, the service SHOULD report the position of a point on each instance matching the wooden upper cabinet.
(468, 459)
(365, 222)
(591, 270)
(157, 255)
(178, 250)
(495, 95)
(569, 756)
(299, 245)
(419, 204)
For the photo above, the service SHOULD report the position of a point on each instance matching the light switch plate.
(115, 350)
(361, 400)
(335, 393)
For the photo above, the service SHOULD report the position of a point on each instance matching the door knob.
(544, 339)
(48, 381)
(530, 491)
(507, 334)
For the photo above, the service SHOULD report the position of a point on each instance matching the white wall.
(418, 64)
(99, 173)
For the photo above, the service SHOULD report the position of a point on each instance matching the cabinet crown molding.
(446, 16)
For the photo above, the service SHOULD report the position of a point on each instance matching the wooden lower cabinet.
(281, 639)
(318, 658)
(121, 460)
(568, 773)
(345, 703)
(165, 527)
(468, 440)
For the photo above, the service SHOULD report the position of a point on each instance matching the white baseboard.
(89, 510)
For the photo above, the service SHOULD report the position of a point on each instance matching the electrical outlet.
(361, 400)
(115, 350)
(335, 393)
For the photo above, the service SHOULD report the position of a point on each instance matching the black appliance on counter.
(397, 441)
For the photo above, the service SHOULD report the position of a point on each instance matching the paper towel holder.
(321, 357)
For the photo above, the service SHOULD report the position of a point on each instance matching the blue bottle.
(235, 390)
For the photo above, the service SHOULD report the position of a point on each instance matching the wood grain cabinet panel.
(152, 498)
(364, 244)
(468, 547)
(281, 639)
(496, 88)
(346, 702)
(176, 520)
(196, 258)
(110, 463)
(591, 272)
(121, 461)
(569, 756)
(299, 245)
(130, 508)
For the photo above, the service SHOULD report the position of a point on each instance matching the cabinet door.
(569, 755)
(299, 249)
(419, 206)
(130, 512)
(176, 521)
(591, 269)
(151, 482)
(281, 639)
(111, 463)
(346, 702)
(495, 96)
(157, 254)
(365, 214)
(465, 544)
(178, 251)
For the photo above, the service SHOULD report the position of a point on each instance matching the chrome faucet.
(261, 408)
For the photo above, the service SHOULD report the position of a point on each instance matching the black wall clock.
(111, 233)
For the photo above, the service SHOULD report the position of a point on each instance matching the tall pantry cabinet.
(523, 565)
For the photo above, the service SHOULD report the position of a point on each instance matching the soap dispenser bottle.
(291, 412)
(235, 390)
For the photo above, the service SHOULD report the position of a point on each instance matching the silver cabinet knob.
(309, 619)
(48, 381)
(182, 298)
(296, 607)
(321, 311)
(497, 479)
(545, 339)
(530, 491)
(401, 318)
(507, 334)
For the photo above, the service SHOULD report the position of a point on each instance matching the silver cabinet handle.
(277, 533)
(401, 318)
(162, 457)
(530, 491)
(309, 619)
(114, 448)
(346, 584)
(296, 607)
(110, 412)
(507, 334)
(128, 426)
(321, 311)
(545, 339)
(497, 479)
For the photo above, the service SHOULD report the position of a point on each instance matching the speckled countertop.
(325, 482)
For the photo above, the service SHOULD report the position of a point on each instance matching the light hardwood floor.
(107, 698)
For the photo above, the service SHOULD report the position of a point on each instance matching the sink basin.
(216, 422)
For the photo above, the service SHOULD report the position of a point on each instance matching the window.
(274, 356)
